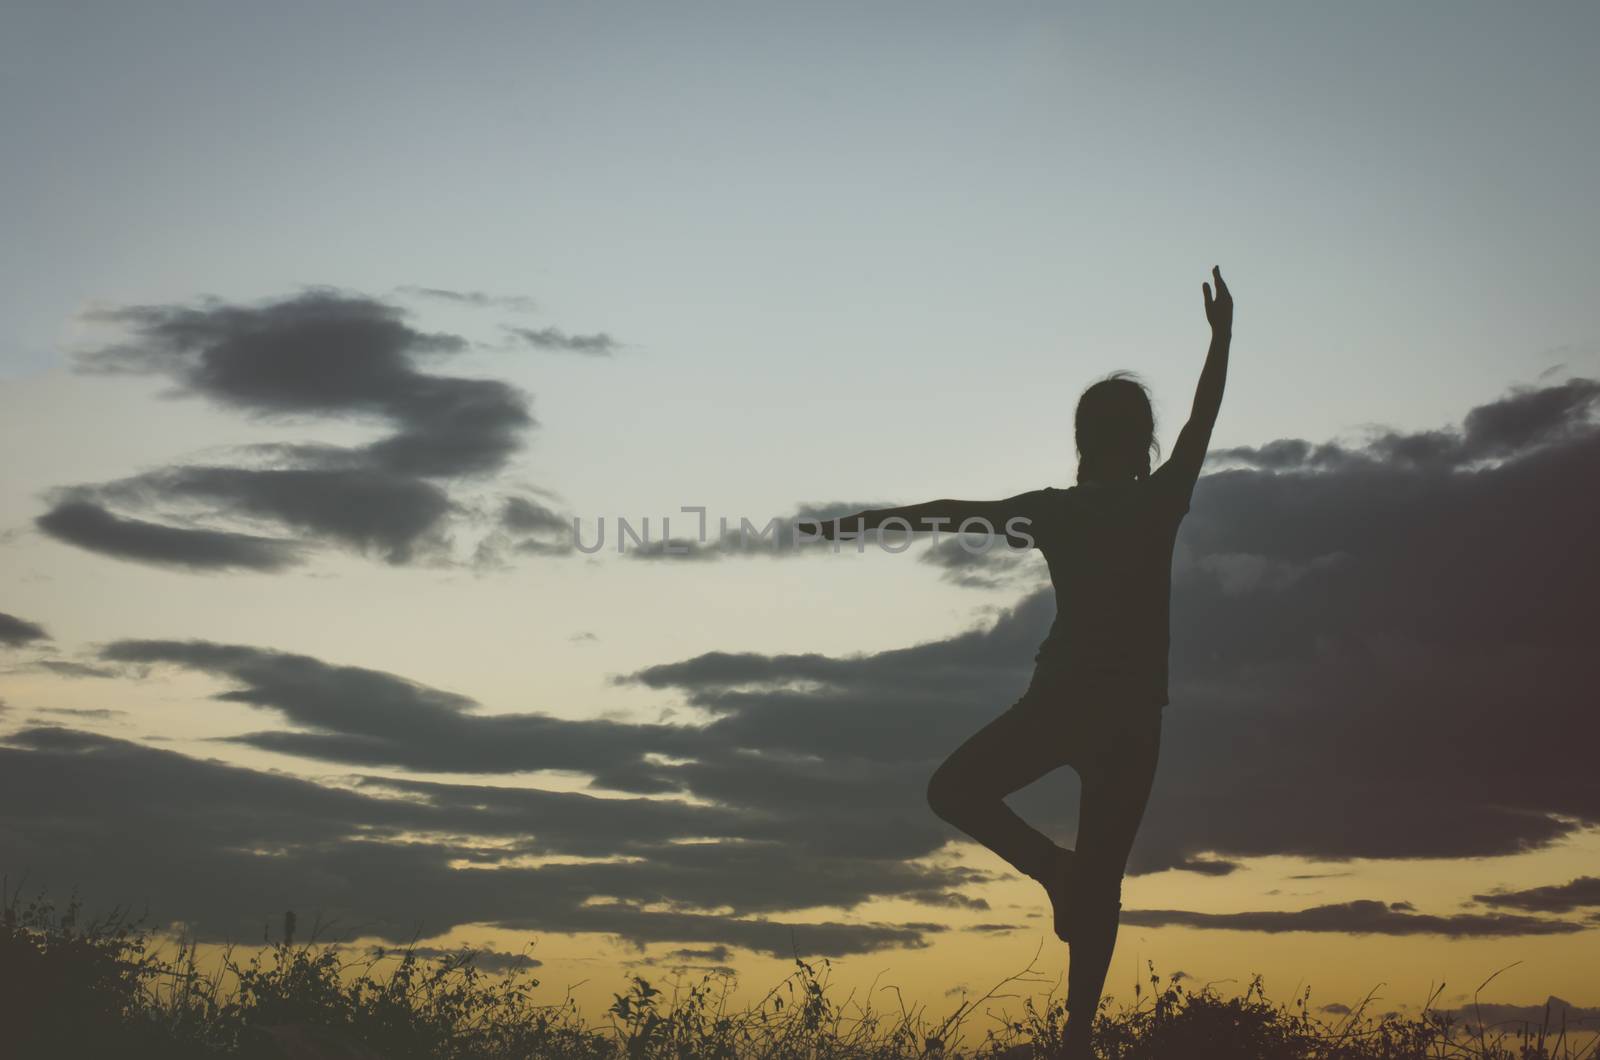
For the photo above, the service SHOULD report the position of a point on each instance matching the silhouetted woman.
(1100, 678)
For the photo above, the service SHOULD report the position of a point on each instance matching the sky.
(322, 323)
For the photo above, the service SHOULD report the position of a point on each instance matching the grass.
(71, 987)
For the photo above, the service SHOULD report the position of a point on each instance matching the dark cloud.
(16, 631)
(374, 718)
(811, 830)
(320, 351)
(1555, 1014)
(527, 526)
(555, 340)
(1523, 422)
(1531, 418)
(378, 512)
(1283, 453)
(994, 566)
(526, 515)
(321, 356)
(1209, 866)
(717, 954)
(1581, 893)
(224, 848)
(1357, 918)
(90, 526)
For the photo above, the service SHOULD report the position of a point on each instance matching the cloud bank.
(1359, 633)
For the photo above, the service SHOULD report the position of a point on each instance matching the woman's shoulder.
(1056, 497)
(1169, 489)
(1044, 508)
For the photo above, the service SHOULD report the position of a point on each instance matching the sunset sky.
(323, 322)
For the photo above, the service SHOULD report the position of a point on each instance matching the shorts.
(1093, 721)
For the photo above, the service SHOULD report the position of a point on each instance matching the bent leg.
(969, 789)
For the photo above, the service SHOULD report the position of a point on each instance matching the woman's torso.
(1109, 550)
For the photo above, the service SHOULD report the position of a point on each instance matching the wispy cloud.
(1357, 918)
(476, 299)
(598, 344)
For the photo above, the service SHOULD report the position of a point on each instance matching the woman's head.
(1115, 430)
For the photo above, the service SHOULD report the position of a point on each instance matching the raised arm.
(1190, 451)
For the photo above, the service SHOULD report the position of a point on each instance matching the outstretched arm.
(942, 515)
(1190, 451)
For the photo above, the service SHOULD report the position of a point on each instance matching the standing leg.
(1115, 791)
(969, 789)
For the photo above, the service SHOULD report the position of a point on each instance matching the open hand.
(1219, 307)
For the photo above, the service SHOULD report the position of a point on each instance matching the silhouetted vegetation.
(102, 987)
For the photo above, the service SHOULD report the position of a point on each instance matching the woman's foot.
(1059, 886)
